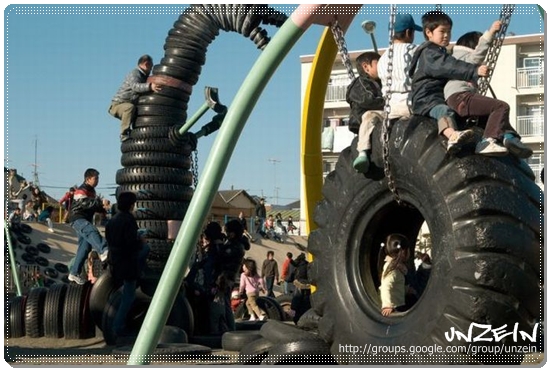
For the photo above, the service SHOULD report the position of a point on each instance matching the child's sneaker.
(252, 318)
(490, 147)
(262, 318)
(459, 138)
(76, 279)
(361, 163)
(516, 147)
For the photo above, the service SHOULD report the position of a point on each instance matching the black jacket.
(431, 68)
(121, 233)
(260, 211)
(85, 204)
(363, 94)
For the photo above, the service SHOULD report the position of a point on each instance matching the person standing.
(270, 273)
(260, 216)
(84, 205)
(123, 103)
(243, 222)
(286, 274)
(67, 201)
(127, 254)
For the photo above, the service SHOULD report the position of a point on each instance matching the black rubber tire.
(160, 210)
(50, 272)
(179, 73)
(280, 332)
(154, 145)
(25, 228)
(28, 258)
(169, 60)
(158, 110)
(159, 100)
(173, 335)
(254, 353)
(32, 250)
(42, 261)
(24, 239)
(77, 322)
(151, 174)
(61, 268)
(309, 320)
(180, 316)
(151, 191)
(166, 159)
(284, 301)
(53, 310)
(16, 327)
(484, 218)
(303, 352)
(42, 247)
(99, 296)
(157, 229)
(269, 305)
(236, 340)
(34, 312)
(147, 132)
(161, 121)
(159, 249)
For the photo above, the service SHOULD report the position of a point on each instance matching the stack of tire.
(58, 311)
(156, 158)
(278, 343)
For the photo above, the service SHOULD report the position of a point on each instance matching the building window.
(531, 72)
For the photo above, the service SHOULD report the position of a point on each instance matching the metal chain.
(338, 35)
(195, 168)
(386, 128)
(494, 49)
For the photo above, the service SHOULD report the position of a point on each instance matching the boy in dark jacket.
(431, 68)
(364, 96)
(127, 254)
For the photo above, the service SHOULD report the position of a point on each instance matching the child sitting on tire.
(364, 96)
(252, 284)
(392, 285)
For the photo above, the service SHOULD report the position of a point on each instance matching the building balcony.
(529, 77)
(530, 126)
(336, 93)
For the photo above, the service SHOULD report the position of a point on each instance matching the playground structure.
(483, 214)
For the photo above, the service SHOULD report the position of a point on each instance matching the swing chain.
(494, 49)
(195, 168)
(338, 35)
(386, 128)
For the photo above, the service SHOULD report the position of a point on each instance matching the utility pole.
(274, 161)
(35, 165)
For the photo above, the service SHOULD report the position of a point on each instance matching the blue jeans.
(442, 110)
(269, 281)
(128, 296)
(288, 287)
(88, 238)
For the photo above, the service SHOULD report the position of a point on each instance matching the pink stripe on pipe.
(305, 14)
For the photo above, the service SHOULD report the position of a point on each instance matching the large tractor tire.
(484, 216)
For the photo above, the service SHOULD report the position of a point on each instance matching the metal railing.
(336, 93)
(529, 77)
(530, 126)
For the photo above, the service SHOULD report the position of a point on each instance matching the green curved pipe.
(216, 164)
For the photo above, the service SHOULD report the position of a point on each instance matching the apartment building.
(518, 79)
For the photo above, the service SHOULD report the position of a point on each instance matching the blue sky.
(63, 64)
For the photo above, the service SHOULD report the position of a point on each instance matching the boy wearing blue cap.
(431, 68)
(403, 51)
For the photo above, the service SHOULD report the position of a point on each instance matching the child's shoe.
(516, 147)
(262, 318)
(253, 318)
(490, 147)
(361, 163)
(459, 138)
